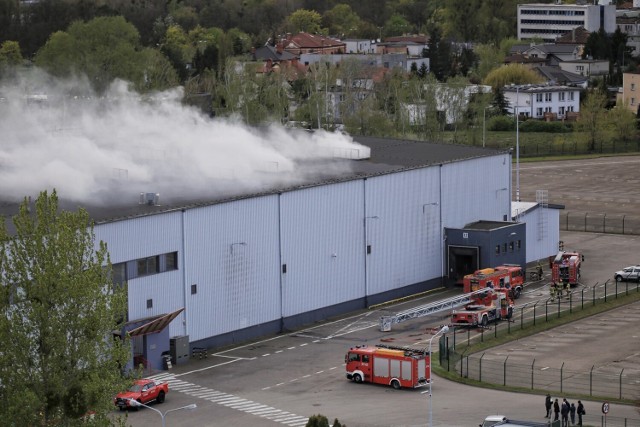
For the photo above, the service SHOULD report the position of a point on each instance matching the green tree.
(59, 310)
(342, 20)
(10, 53)
(303, 20)
(511, 74)
(396, 25)
(623, 123)
(592, 118)
(104, 49)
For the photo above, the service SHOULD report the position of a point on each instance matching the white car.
(493, 420)
(631, 273)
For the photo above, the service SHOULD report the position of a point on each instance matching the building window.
(561, 96)
(194, 289)
(538, 97)
(497, 249)
(518, 244)
(579, 67)
(633, 101)
(539, 111)
(504, 248)
(571, 96)
(547, 97)
(149, 303)
(147, 266)
(119, 273)
(633, 86)
(510, 246)
(171, 261)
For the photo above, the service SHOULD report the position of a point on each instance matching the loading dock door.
(462, 260)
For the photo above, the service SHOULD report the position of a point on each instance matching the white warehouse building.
(215, 272)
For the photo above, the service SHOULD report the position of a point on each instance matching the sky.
(110, 149)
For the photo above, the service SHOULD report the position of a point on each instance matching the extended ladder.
(425, 310)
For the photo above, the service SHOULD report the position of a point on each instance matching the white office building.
(549, 21)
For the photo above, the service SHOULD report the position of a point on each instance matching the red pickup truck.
(143, 391)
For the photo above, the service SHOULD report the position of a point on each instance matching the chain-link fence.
(600, 222)
(598, 382)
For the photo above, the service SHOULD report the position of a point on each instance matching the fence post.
(585, 221)
(532, 364)
(504, 372)
(561, 371)
(558, 308)
(567, 225)
(604, 223)
(480, 370)
(570, 301)
(591, 381)
(582, 299)
(616, 289)
(623, 224)
(495, 330)
(534, 312)
(546, 311)
(593, 299)
(521, 318)
(620, 396)
(605, 291)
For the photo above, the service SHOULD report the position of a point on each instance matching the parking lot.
(283, 380)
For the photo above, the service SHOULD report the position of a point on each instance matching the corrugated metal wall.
(402, 229)
(232, 256)
(235, 253)
(543, 232)
(322, 246)
(476, 189)
(143, 237)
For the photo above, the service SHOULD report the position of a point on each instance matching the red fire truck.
(493, 305)
(565, 268)
(509, 276)
(395, 366)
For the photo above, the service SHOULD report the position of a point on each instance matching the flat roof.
(387, 156)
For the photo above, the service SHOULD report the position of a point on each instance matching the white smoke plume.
(56, 134)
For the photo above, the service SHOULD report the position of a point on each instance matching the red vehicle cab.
(143, 391)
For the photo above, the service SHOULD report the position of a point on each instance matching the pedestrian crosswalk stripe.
(232, 401)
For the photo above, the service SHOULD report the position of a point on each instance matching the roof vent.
(150, 199)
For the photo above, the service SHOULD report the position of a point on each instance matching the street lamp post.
(517, 144)
(484, 125)
(443, 330)
(134, 402)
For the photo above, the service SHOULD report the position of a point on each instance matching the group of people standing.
(567, 411)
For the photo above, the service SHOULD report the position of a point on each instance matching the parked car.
(631, 273)
(492, 420)
(143, 391)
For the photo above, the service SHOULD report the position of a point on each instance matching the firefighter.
(552, 291)
(567, 289)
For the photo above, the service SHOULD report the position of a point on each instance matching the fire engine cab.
(395, 366)
(493, 305)
(509, 276)
(565, 268)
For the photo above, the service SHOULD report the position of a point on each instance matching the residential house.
(410, 45)
(576, 36)
(542, 101)
(360, 46)
(311, 43)
(629, 96)
(558, 76)
(387, 61)
(631, 27)
(450, 103)
(550, 21)
(586, 67)
(563, 52)
(274, 59)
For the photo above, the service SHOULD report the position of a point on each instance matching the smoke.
(104, 150)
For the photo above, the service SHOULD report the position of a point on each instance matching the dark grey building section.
(484, 244)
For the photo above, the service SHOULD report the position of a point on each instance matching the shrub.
(542, 126)
(501, 123)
